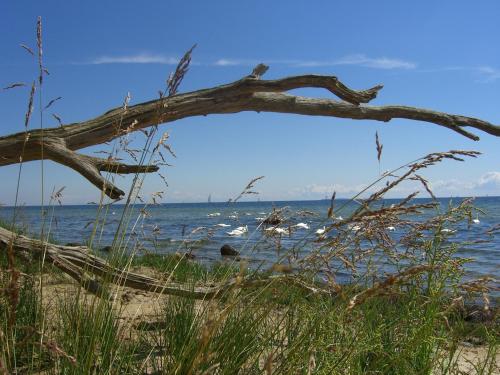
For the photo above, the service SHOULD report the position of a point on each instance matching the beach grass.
(275, 328)
(182, 269)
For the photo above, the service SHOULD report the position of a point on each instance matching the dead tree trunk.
(247, 94)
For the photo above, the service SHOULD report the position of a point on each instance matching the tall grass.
(407, 322)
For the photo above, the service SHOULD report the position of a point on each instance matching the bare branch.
(113, 166)
(246, 94)
(90, 167)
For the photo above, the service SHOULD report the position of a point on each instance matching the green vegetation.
(278, 328)
(181, 269)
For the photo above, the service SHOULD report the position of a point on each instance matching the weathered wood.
(78, 262)
(247, 94)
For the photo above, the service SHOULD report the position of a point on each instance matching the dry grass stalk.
(425, 183)
(164, 179)
(247, 190)
(155, 196)
(58, 118)
(379, 146)
(493, 230)
(40, 49)
(330, 209)
(52, 347)
(425, 162)
(27, 49)
(268, 364)
(352, 242)
(311, 366)
(281, 268)
(57, 196)
(52, 102)
(163, 143)
(13, 85)
(176, 78)
(480, 285)
(392, 280)
(29, 111)
(3, 369)
(12, 290)
(126, 101)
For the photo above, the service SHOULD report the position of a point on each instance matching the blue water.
(169, 228)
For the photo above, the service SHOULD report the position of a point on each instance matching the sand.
(139, 308)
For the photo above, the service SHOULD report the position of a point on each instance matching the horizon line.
(249, 201)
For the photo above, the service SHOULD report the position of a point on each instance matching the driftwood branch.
(90, 167)
(78, 262)
(247, 94)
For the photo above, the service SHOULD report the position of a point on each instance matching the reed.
(412, 321)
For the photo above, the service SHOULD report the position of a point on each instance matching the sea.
(202, 228)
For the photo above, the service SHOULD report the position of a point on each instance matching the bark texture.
(78, 262)
(247, 94)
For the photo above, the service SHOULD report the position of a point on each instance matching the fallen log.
(78, 262)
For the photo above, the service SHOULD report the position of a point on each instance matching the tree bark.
(248, 94)
(78, 262)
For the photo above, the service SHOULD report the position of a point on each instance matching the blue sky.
(439, 55)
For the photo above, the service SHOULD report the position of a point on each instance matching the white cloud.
(355, 60)
(451, 186)
(483, 73)
(488, 183)
(364, 61)
(142, 58)
(235, 62)
(490, 180)
(377, 63)
(319, 191)
(226, 62)
(488, 73)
